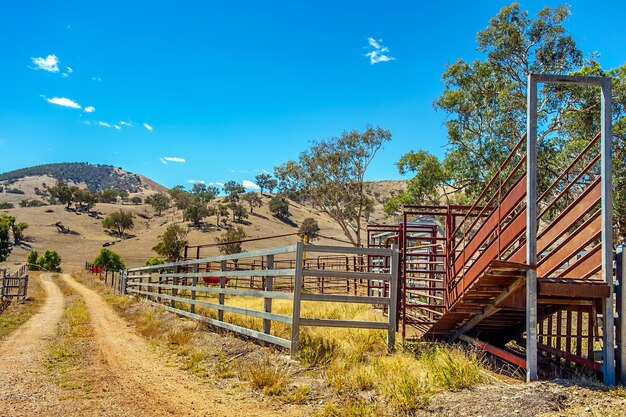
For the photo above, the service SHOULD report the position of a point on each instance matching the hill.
(94, 177)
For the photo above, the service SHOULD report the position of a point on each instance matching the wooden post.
(175, 281)
(220, 297)
(267, 302)
(393, 297)
(297, 293)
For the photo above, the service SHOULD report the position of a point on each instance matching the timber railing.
(108, 277)
(193, 289)
(15, 285)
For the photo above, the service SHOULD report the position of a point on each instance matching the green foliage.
(253, 200)
(18, 231)
(279, 207)
(119, 221)
(221, 211)
(96, 177)
(204, 194)
(32, 203)
(4, 206)
(196, 212)
(331, 175)
(233, 191)
(172, 243)
(50, 261)
(14, 191)
(5, 227)
(84, 199)
(239, 212)
(155, 260)
(108, 259)
(229, 241)
(136, 199)
(32, 257)
(61, 193)
(263, 181)
(159, 202)
(107, 196)
(182, 198)
(309, 228)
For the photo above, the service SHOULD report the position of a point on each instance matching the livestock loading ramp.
(521, 271)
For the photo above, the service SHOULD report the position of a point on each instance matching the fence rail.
(15, 285)
(191, 288)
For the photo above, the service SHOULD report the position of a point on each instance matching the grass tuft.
(266, 377)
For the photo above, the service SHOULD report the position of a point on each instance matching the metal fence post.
(269, 286)
(174, 291)
(393, 297)
(220, 297)
(297, 294)
(620, 357)
(194, 284)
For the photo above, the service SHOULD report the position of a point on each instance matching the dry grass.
(267, 377)
(70, 348)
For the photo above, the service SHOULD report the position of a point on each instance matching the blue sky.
(233, 88)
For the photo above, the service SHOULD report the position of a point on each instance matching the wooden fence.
(185, 289)
(108, 277)
(15, 285)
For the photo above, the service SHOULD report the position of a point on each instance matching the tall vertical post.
(393, 297)
(220, 297)
(531, 230)
(194, 284)
(297, 294)
(269, 286)
(620, 359)
(608, 329)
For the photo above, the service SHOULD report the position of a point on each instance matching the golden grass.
(16, 313)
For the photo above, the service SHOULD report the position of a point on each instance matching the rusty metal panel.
(585, 267)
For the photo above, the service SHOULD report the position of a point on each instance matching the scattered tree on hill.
(221, 211)
(155, 260)
(262, 180)
(84, 199)
(123, 194)
(253, 200)
(229, 242)
(233, 190)
(196, 212)
(108, 259)
(32, 257)
(107, 196)
(331, 176)
(50, 261)
(136, 200)
(182, 198)
(309, 228)
(271, 184)
(18, 232)
(279, 207)
(172, 243)
(60, 193)
(204, 194)
(159, 202)
(119, 221)
(239, 212)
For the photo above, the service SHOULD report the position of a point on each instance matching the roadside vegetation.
(14, 314)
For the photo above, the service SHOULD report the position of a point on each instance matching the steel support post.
(620, 337)
(531, 230)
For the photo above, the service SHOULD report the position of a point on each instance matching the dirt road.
(126, 376)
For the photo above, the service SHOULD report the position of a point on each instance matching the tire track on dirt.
(151, 386)
(26, 389)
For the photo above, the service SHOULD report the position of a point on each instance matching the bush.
(108, 259)
(136, 200)
(309, 228)
(172, 243)
(4, 206)
(119, 221)
(50, 261)
(14, 191)
(155, 260)
(279, 207)
(32, 257)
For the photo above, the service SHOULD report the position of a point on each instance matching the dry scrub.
(347, 371)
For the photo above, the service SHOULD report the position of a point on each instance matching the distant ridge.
(94, 176)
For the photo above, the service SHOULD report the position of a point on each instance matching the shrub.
(279, 207)
(108, 259)
(119, 221)
(155, 260)
(32, 257)
(309, 228)
(14, 191)
(4, 206)
(50, 261)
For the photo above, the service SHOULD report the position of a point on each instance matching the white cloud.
(126, 124)
(90, 109)
(147, 126)
(250, 185)
(174, 159)
(65, 102)
(218, 184)
(69, 70)
(104, 124)
(97, 79)
(195, 181)
(378, 54)
(49, 63)
(118, 127)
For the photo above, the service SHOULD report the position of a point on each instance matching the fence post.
(194, 284)
(220, 297)
(620, 299)
(297, 293)
(269, 286)
(393, 297)
(174, 291)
